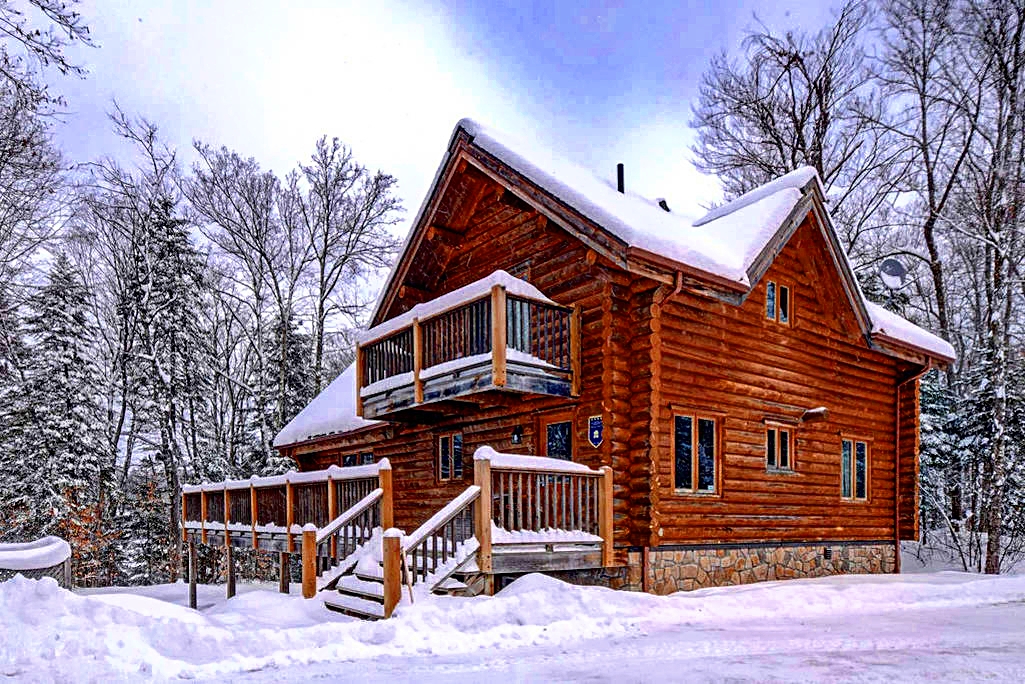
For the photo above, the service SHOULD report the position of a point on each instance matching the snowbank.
(35, 555)
(49, 633)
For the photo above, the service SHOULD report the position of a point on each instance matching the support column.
(392, 556)
(230, 592)
(284, 576)
(193, 560)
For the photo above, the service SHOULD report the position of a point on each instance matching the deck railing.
(272, 509)
(493, 327)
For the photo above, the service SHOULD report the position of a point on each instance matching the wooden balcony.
(495, 341)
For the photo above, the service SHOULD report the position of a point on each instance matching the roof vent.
(662, 203)
(620, 185)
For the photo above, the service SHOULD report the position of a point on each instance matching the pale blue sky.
(598, 82)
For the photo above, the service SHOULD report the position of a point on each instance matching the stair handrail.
(324, 533)
(442, 517)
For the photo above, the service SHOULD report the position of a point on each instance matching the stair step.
(354, 606)
(374, 574)
(450, 584)
(350, 584)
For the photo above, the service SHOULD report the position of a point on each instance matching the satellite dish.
(893, 273)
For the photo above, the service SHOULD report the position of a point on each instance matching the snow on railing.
(336, 473)
(541, 464)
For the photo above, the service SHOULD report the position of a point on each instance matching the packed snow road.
(945, 626)
(983, 643)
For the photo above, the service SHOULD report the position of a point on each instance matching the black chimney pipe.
(619, 178)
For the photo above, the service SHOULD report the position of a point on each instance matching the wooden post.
(185, 532)
(332, 513)
(202, 514)
(68, 579)
(309, 560)
(289, 514)
(482, 513)
(192, 573)
(387, 502)
(574, 351)
(253, 514)
(392, 554)
(359, 380)
(498, 335)
(605, 517)
(227, 517)
(284, 575)
(231, 572)
(418, 359)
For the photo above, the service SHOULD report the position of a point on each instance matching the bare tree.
(344, 211)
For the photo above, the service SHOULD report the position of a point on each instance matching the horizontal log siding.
(502, 235)
(909, 443)
(733, 361)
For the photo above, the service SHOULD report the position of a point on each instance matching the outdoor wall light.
(517, 435)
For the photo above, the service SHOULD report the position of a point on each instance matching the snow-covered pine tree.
(57, 442)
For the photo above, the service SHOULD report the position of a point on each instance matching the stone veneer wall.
(683, 569)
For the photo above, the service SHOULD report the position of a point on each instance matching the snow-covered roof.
(885, 322)
(462, 295)
(331, 412)
(34, 555)
(723, 243)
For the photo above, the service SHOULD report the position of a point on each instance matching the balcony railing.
(496, 341)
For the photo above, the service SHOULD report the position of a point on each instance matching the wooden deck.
(522, 514)
(497, 342)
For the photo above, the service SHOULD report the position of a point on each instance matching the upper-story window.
(854, 470)
(695, 453)
(777, 302)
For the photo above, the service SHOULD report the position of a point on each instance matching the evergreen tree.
(56, 446)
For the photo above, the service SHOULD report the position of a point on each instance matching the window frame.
(777, 429)
(718, 420)
(778, 289)
(452, 477)
(854, 441)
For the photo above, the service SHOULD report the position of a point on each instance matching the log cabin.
(563, 376)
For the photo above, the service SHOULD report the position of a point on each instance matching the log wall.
(733, 362)
(648, 351)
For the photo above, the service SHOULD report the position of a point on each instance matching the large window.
(854, 470)
(778, 448)
(696, 445)
(450, 456)
(777, 302)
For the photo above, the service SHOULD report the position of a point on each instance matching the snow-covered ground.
(945, 625)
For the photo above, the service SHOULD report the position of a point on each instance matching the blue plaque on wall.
(595, 431)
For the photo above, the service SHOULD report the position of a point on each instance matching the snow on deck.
(533, 463)
(463, 295)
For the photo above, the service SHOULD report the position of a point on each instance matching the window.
(556, 435)
(450, 456)
(366, 458)
(361, 458)
(778, 446)
(854, 470)
(695, 446)
(348, 460)
(777, 302)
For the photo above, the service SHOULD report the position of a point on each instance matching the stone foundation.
(686, 568)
